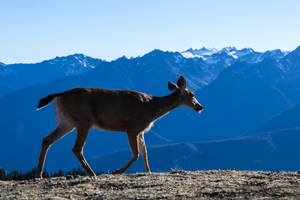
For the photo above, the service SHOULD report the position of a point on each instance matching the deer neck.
(163, 105)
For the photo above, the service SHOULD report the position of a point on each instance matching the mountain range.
(241, 90)
(18, 76)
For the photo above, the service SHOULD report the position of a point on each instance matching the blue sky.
(34, 30)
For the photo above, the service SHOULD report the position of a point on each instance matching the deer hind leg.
(82, 134)
(59, 132)
(143, 150)
(133, 142)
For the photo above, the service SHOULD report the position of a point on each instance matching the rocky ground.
(217, 184)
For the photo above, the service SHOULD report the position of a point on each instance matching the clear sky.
(34, 30)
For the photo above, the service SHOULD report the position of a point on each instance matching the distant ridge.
(21, 75)
(246, 54)
(274, 151)
(285, 120)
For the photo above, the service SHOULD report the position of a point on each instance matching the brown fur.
(114, 110)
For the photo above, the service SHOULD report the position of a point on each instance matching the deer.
(113, 110)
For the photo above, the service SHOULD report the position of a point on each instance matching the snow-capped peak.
(59, 59)
(199, 53)
(228, 49)
(211, 55)
(81, 59)
(72, 60)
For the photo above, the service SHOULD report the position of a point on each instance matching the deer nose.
(199, 107)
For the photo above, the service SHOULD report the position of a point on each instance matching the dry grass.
(217, 184)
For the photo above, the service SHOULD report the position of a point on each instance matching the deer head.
(187, 97)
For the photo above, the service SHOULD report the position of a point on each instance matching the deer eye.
(192, 95)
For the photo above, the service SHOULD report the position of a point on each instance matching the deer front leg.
(133, 143)
(143, 150)
(82, 134)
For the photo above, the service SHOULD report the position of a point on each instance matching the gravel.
(178, 184)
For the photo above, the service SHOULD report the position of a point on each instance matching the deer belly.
(111, 126)
(124, 126)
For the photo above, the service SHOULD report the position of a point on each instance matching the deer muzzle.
(198, 107)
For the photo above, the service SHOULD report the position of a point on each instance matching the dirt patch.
(217, 184)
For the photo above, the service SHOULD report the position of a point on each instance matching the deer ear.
(172, 86)
(181, 82)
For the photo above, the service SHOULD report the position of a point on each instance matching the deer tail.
(47, 100)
